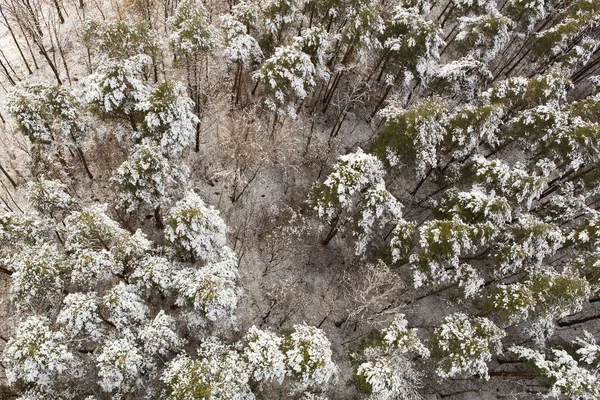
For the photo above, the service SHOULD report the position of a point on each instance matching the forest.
(299, 199)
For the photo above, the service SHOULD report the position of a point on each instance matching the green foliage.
(475, 207)
(512, 302)
(401, 241)
(559, 295)
(46, 114)
(525, 241)
(443, 242)
(192, 32)
(413, 42)
(119, 39)
(471, 126)
(587, 109)
(412, 135)
(463, 345)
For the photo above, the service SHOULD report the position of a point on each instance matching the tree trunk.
(48, 59)
(59, 11)
(84, 162)
(333, 230)
(10, 79)
(12, 182)
(159, 222)
(12, 34)
(10, 66)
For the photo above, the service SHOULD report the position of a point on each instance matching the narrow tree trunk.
(331, 90)
(84, 162)
(10, 79)
(12, 34)
(333, 230)
(10, 66)
(24, 32)
(197, 148)
(64, 59)
(421, 182)
(159, 222)
(34, 19)
(10, 179)
(48, 59)
(59, 11)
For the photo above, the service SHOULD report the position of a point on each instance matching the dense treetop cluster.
(459, 151)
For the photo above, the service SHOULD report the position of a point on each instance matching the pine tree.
(463, 345)
(115, 89)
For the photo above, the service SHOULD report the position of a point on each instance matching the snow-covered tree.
(307, 356)
(210, 290)
(315, 43)
(514, 302)
(528, 11)
(412, 135)
(483, 36)
(120, 365)
(471, 126)
(125, 308)
(412, 43)
(514, 183)
(115, 89)
(18, 229)
(442, 244)
(545, 296)
(118, 39)
(146, 178)
(389, 378)
(218, 372)
(36, 356)
(195, 229)
(280, 14)
(464, 345)
(566, 38)
(191, 31)
(364, 25)
(159, 337)
(354, 192)
(50, 198)
(240, 47)
(46, 114)
(49, 116)
(36, 280)
(527, 241)
(80, 316)
(153, 272)
(566, 376)
(169, 120)
(93, 229)
(476, 206)
(286, 77)
(263, 354)
(589, 350)
(387, 371)
(91, 266)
